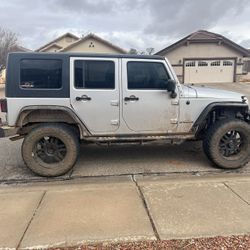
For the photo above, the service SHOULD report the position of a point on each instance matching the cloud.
(183, 17)
(245, 43)
(127, 23)
(79, 6)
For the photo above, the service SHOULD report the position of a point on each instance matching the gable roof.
(57, 39)
(19, 48)
(50, 46)
(93, 36)
(203, 36)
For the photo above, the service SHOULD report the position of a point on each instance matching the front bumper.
(6, 131)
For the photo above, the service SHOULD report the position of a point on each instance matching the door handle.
(83, 98)
(131, 98)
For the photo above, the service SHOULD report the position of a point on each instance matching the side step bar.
(139, 138)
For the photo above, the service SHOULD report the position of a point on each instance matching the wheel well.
(37, 116)
(28, 119)
(218, 113)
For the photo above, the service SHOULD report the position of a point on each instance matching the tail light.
(3, 105)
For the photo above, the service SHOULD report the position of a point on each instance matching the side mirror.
(171, 87)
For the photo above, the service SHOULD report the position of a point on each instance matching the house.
(19, 48)
(246, 69)
(206, 57)
(59, 43)
(2, 76)
(90, 43)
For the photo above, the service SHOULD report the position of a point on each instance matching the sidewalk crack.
(146, 208)
(232, 190)
(32, 217)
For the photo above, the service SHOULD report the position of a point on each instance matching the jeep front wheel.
(50, 149)
(227, 144)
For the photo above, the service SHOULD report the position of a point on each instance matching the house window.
(190, 64)
(246, 66)
(202, 64)
(215, 63)
(227, 63)
(40, 74)
(94, 74)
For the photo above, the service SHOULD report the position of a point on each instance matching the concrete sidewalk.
(115, 209)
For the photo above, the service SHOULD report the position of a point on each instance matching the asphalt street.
(98, 161)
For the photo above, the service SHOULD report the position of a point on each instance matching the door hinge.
(175, 102)
(114, 103)
(174, 121)
(114, 122)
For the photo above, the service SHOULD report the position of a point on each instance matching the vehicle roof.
(76, 54)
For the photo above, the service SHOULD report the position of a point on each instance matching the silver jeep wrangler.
(55, 101)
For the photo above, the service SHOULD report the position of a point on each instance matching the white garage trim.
(209, 70)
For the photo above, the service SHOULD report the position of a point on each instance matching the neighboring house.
(90, 44)
(59, 43)
(19, 48)
(246, 69)
(206, 57)
(16, 48)
(2, 76)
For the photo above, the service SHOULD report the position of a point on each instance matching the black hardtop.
(64, 55)
(13, 72)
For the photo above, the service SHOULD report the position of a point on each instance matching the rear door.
(147, 105)
(94, 93)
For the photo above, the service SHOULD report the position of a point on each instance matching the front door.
(147, 106)
(94, 93)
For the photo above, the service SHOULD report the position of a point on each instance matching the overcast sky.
(127, 23)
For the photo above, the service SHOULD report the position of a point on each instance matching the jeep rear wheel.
(227, 144)
(50, 149)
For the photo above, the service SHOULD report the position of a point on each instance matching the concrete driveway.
(120, 160)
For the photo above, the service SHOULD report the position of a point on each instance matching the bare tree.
(133, 51)
(8, 43)
(150, 51)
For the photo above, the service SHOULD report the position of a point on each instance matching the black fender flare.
(24, 112)
(212, 106)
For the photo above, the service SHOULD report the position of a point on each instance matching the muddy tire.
(50, 149)
(227, 143)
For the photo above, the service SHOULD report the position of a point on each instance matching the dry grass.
(231, 242)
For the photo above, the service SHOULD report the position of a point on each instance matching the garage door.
(209, 71)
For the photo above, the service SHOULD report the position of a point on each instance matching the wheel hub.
(231, 143)
(50, 150)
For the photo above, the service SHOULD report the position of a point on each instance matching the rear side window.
(147, 75)
(40, 74)
(94, 74)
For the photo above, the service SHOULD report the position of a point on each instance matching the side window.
(215, 63)
(246, 66)
(190, 64)
(147, 75)
(94, 74)
(227, 63)
(40, 74)
(202, 64)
